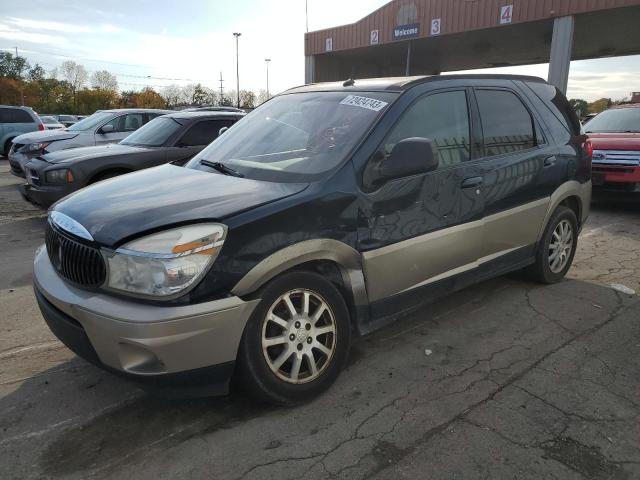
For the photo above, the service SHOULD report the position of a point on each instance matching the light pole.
(267, 60)
(237, 35)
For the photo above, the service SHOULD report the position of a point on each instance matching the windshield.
(295, 137)
(91, 121)
(154, 133)
(615, 120)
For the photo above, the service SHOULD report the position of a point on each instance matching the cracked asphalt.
(506, 379)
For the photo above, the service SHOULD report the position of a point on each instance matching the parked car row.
(172, 138)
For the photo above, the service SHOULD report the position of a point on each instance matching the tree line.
(584, 108)
(69, 88)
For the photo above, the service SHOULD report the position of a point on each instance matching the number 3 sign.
(435, 26)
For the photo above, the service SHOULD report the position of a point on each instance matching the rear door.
(515, 156)
(426, 227)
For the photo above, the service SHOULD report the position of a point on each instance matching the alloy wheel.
(560, 246)
(299, 336)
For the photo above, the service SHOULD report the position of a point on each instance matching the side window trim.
(534, 123)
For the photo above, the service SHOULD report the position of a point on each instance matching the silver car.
(103, 127)
(14, 121)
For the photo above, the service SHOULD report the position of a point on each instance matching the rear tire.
(556, 248)
(297, 340)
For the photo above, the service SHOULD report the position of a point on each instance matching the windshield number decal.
(364, 102)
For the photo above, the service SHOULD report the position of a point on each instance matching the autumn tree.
(580, 106)
(599, 105)
(104, 80)
(75, 75)
(149, 98)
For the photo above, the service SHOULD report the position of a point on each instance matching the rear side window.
(506, 123)
(15, 115)
(442, 117)
(558, 104)
(203, 133)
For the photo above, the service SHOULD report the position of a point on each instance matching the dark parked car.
(322, 215)
(171, 138)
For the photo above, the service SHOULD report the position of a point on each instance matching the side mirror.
(106, 129)
(410, 156)
(222, 130)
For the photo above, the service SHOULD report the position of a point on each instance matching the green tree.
(580, 106)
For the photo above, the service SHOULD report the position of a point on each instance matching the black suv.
(322, 215)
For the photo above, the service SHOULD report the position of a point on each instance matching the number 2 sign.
(506, 14)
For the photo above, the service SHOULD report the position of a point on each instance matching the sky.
(160, 42)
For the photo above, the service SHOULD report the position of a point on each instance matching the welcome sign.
(406, 31)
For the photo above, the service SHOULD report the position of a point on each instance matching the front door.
(426, 227)
(123, 126)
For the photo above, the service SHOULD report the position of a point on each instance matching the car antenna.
(349, 83)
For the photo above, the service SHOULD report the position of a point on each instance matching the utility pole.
(221, 90)
(237, 35)
(267, 60)
(306, 13)
(20, 79)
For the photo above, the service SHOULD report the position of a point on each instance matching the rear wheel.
(296, 341)
(557, 247)
(7, 147)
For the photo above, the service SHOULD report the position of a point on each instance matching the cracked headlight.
(35, 147)
(165, 263)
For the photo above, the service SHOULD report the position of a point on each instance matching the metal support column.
(560, 58)
(309, 69)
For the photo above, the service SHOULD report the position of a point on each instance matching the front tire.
(557, 247)
(297, 340)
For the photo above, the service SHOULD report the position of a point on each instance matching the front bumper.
(158, 344)
(44, 196)
(17, 161)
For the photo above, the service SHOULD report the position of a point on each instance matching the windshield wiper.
(222, 168)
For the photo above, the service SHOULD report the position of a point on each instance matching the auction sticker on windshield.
(364, 102)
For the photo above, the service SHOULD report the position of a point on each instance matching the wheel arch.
(336, 261)
(110, 169)
(573, 195)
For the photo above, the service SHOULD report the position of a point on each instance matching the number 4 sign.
(506, 14)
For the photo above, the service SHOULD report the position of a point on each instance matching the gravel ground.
(506, 379)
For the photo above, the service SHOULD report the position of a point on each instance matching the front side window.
(441, 117)
(616, 120)
(296, 137)
(204, 132)
(154, 133)
(506, 123)
(90, 122)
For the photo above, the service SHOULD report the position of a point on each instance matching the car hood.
(120, 208)
(615, 141)
(44, 136)
(84, 153)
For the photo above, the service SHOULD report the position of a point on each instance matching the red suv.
(615, 135)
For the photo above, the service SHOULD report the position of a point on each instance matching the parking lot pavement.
(506, 379)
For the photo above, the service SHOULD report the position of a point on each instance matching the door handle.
(549, 161)
(472, 182)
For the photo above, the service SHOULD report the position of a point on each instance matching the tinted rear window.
(506, 123)
(15, 115)
(203, 133)
(558, 104)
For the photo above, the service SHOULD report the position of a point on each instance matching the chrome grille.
(616, 157)
(74, 261)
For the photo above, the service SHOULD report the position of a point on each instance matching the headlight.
(36, 147)
(166, 263)
(61, 175)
